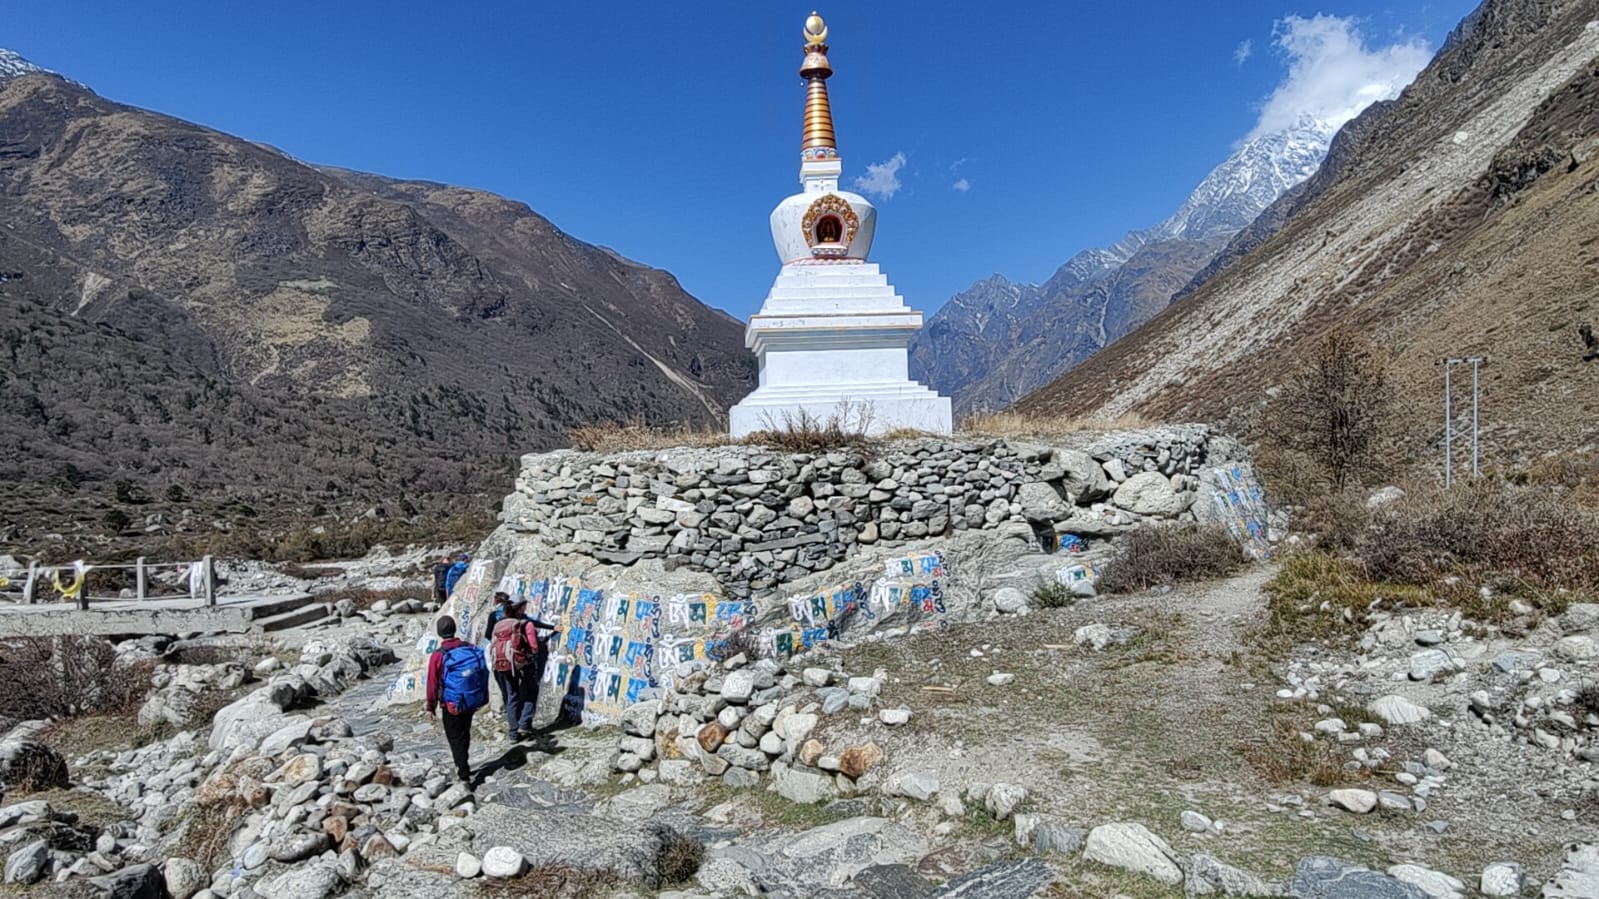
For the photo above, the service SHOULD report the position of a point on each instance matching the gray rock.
(306, 882)
(27, 864)
(802, 785)
(916, 785)
(1425, 665)
(1058, 838)
(1132, 847)
(299, 847)
(289, 736)
(1082, 478)
(1043, 504)
(184, 877)
(741, 779)
(739, 686)
(1578, 876)
(1151, 493)
(1015, 879)
(1002, 800)
(1208, 875)
(1513, 660)
(135, 882)
(639, 718)
(1319, 877)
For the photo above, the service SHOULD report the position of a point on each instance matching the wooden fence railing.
(72, 580)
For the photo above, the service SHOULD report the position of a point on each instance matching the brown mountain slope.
(184, 307)
(1463, 221)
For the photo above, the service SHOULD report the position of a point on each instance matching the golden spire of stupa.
(818, 142)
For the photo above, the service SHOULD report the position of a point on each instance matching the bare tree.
(1336, 409)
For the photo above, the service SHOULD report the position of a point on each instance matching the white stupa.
(832, 335)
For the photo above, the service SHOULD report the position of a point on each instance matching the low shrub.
(51, 677)
(1152, 556)
(364, 597)
(1533, 537)
(803, 432)
(678, 858)
(1050, 594)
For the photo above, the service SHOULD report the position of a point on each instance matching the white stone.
(1396, 709)
(894, 716)
(999, 679)
(1435, 884)
(1194, 822)
(1132, 847)
(1002, 800)
(1358, 801)
(1150, 493)
(1501, 879)
(503, 861)
(467, 866)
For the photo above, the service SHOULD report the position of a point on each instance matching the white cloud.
(882, 178)
(1246, 49)
(1332, 74)
(962, 185)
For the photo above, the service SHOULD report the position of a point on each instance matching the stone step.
(295, 617)
(266, 608)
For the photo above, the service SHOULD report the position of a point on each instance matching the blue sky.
(1028, 131)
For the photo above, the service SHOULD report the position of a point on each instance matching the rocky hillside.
(1456, 221)
(998, 340)
(188, 309)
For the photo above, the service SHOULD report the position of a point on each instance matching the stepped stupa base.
(863, 408)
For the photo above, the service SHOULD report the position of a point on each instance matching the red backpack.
(513, 644)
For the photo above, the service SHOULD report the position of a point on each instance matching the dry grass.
(1010, 423)
(1150, 557)
(208, 824)
(1486, 531)
(551, 881)
(1315, 596)
(364, 597)
(629, 436)
(1282, 756)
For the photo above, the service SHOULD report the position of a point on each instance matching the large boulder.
(1081, 476)
(246, 722)
(1043, 504)
(1132, 847)
(1328, 878)
(1152, 493)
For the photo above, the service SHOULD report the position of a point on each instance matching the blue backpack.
(466, 680)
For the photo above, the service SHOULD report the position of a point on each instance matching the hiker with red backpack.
(457, 682)
(517, 653)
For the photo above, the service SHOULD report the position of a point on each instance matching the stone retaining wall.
(755, 518)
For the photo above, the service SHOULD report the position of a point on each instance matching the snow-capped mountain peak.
(12, 65)
(1257, 173)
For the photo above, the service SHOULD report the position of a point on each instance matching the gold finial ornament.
(815, 29)
(818, 141)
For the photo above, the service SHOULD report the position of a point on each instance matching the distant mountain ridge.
(1456, 220)
(998, 340)
(189, 309)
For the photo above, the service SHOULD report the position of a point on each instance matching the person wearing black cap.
(457, 684)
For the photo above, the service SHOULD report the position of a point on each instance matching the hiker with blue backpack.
(457, 683)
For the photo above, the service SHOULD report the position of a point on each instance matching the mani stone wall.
(755, 518)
